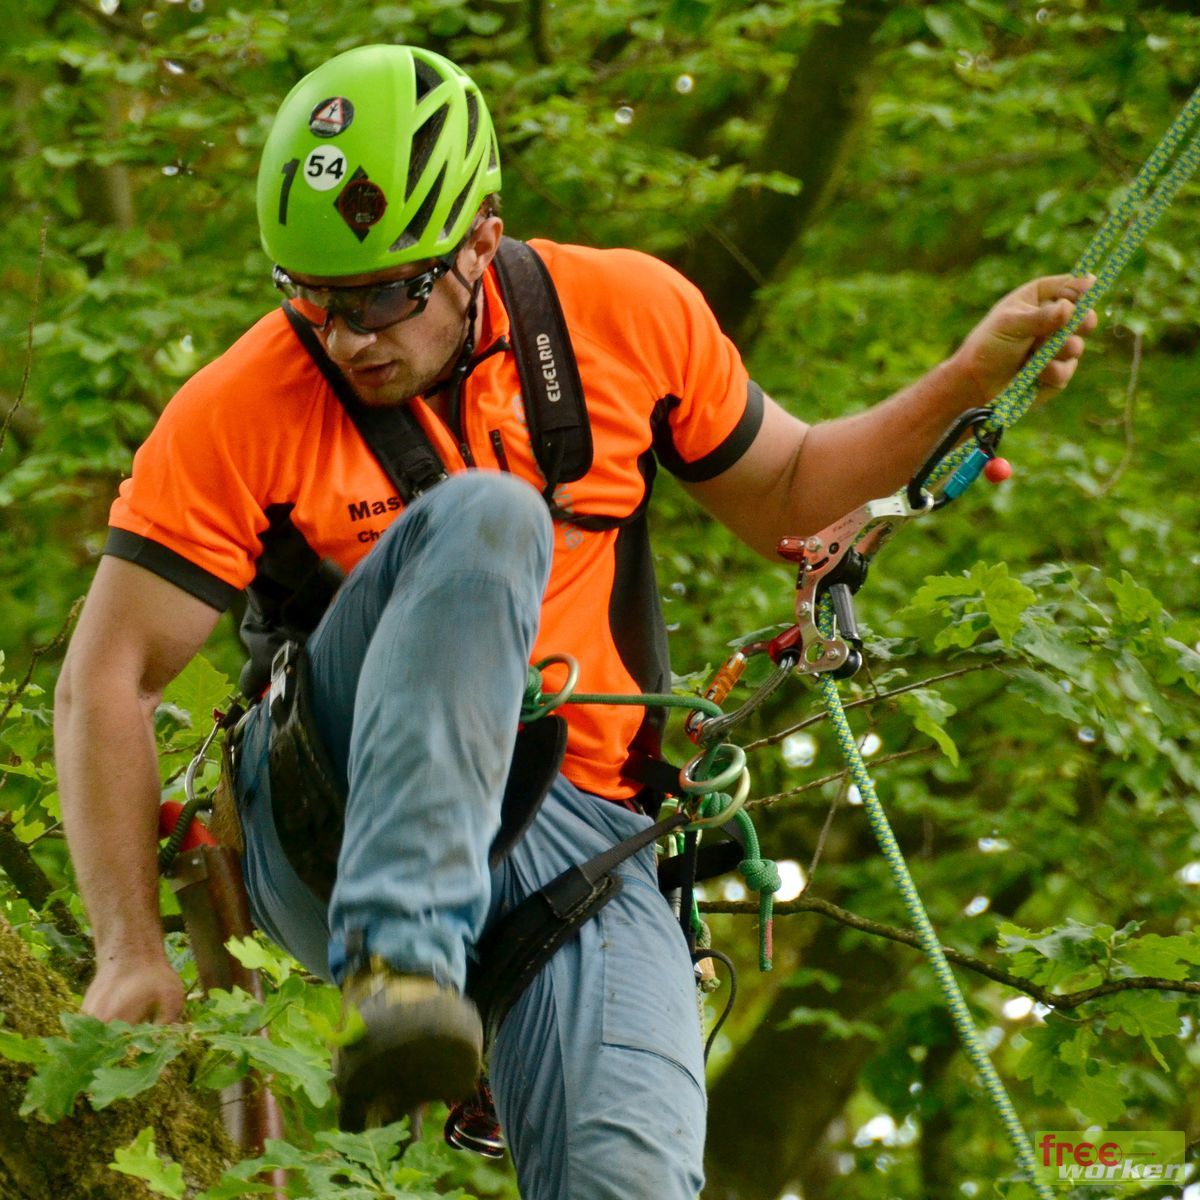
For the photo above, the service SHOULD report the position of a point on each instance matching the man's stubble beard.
(410, 383)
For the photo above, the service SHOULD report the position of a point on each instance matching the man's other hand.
(135, 992)
(996, 349)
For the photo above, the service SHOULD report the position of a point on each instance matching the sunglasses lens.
(383, 306)
(365, 309)
(313, 313)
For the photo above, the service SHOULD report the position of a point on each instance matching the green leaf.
(1005, 599)
(956, 27)
(110, 1084)
(20, 1049)
(1060, 1060)
(1073, 942)
(1136, 603)
(1149, 1014)
(1045, 695)
(71, 1063)
(1071, 951)
(834, 1025)
(256, 954)
(162, 1176)
(930, 596)
(1047, 642)
(1138, 685)
(929, 712)
(197, 690)
(60, 156)
(1162, 957)
(294, 1068)
(1050, 1050)
(1099, 1094)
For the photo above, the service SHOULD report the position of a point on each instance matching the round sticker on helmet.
(331, 116)
(324, 168)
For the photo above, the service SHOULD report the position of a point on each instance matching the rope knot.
(761, 875)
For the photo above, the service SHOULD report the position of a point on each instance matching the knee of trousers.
(500, 513)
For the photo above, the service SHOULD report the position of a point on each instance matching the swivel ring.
(736, 802)
(720, 782)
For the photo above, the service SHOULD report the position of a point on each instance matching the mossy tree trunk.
(70, 1159)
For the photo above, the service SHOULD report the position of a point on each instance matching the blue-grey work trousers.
(419, 669)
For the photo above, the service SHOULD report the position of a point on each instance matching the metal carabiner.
(976, 421)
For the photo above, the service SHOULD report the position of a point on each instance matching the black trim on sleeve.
(717, 460)
(174, 568)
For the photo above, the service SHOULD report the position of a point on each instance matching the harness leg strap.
(520, 944)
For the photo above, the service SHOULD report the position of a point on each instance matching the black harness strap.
(554, 402)
(308, 799)
(516, 948)
(392, 433)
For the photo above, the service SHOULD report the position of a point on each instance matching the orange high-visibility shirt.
(260, 428)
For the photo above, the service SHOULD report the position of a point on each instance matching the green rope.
(926, 935)
(761, 876)
(1170, 165)
(1106, 256)
(535, 705)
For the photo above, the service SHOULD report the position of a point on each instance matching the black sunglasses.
(365, 309)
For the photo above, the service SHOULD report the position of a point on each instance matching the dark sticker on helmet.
(331, 116)
(361, 203)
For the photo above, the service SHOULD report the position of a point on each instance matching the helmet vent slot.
(472, 119)
(456, 207)
(424, 141)
(427, 78)
(416, 227)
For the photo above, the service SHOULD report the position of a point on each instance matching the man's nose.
(344, 344)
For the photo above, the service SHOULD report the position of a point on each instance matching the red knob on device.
(168, 817)
(997, 470)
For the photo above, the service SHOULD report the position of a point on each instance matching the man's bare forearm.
(136, 633)
(796, 479)
(109, 787)
(845, 462)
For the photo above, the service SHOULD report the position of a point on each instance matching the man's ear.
(481, 249)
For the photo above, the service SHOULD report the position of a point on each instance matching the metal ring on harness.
(733, 774)
(716, 783)
(736, 802)
(550, 703)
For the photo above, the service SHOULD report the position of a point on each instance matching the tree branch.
(1059, 1001)
(537, 32)
(775, 738)
(31, 884)
(808, 137)
(38, 652)
(814, 784)
(33, 312)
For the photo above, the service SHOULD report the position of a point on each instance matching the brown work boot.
(422, 1042)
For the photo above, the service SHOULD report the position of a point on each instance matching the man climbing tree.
(410, 419)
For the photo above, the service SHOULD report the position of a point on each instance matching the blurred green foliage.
(1047, 783)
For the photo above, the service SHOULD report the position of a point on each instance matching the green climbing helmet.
(379, 157)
